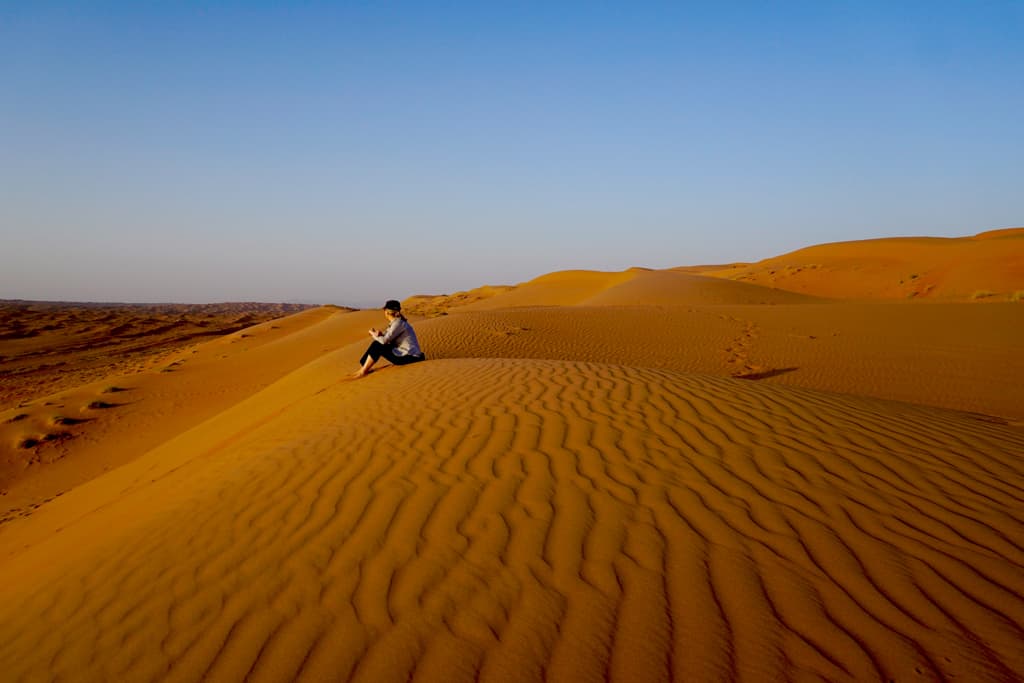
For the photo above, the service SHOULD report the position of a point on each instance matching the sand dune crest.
(984, 267)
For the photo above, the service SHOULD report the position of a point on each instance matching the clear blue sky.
(355, 151)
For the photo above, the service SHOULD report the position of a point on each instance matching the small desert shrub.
(1018, 295)
(982, 294)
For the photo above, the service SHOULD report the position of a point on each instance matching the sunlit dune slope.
(562, 288)
(56, 442)
(438, 304)
(597, 288)
(986, 267)
(673, 288)
(959, 356)
(522, 520)
(46, 347)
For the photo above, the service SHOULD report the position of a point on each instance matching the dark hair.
(392, 305)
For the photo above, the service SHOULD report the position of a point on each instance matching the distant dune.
(53, 443)
(986, 267)
(635, 476)
(438, 304)
(636, 286)
(93, 341)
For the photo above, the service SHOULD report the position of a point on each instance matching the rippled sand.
(648, 476)
(526, 519)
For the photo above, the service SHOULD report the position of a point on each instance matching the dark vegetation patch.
(68, 421)
(57, 436)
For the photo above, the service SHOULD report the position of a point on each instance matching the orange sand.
(49, 346)
(639, 476)
(83, 432)
(986, 267)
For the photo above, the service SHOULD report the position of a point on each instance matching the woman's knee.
(375, 350)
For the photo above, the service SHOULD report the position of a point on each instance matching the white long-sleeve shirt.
(402, 337)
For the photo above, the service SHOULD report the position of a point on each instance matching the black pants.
(377, 350)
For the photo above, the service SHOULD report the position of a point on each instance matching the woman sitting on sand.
(398, 343)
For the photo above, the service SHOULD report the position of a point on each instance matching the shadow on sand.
(766, 374)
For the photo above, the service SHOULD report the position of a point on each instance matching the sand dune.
(431, 305)
(634, 476)
(49, 346)
(636, 286)
(958, 356)
(986, 267)
(563, 288)
(56, 442)
(532, 520)
(670, 288)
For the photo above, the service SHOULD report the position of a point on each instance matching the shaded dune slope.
(531, 520)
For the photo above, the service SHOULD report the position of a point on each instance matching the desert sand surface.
(50, 444)
(48, 346)
(988, 266)
(636, 476)
(966, 357)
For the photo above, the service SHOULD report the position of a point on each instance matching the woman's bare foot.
(361, 372)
